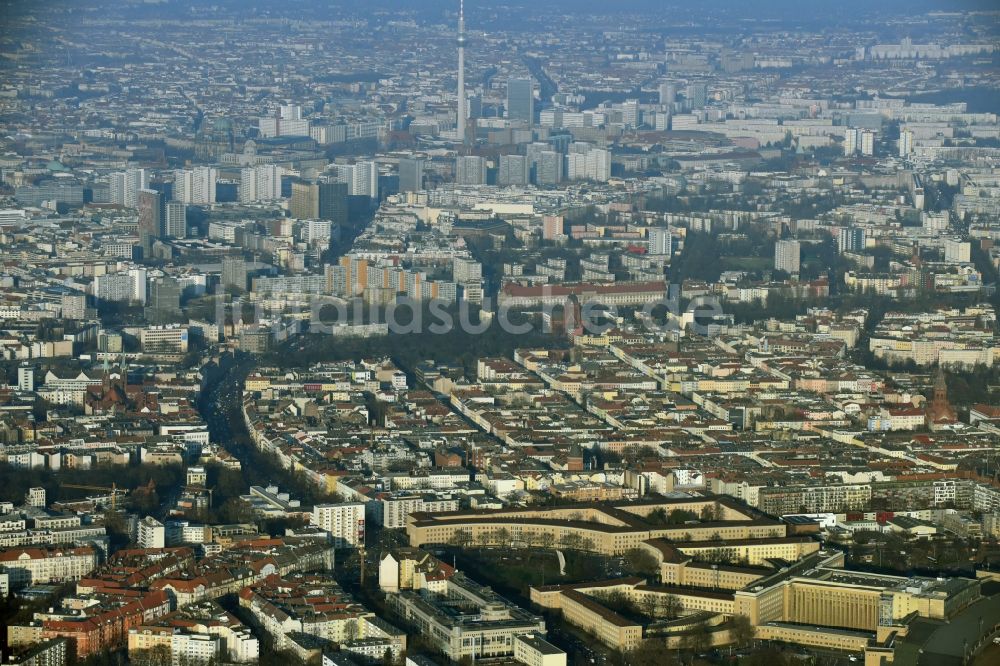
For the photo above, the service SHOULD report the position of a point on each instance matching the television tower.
(461, 72)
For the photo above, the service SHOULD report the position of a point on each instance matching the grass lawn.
(516, 570)
(746, 263)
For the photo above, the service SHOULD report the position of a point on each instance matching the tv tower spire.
(461, 72)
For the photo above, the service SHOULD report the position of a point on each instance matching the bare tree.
(741, 630)
(670, 607)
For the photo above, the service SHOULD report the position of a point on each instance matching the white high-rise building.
(957, 251)
(268, 126)
(175, 220)
(466, 270)
(587, 162)
(152, 533)
(25, 378)
(139, 279)
(905, 143)
(195, 186)
(293, 127)
(851, 239)
(35, 497)
(599, 165)
(121, 287)
(136, 180)
(204, 185)
(113, 287)
(630, 113)
(183, 185)
(272, 126)
(345, 522)
(361, 178)
(786, 256)
(290, 112)
(125, 186)
(364, 180)
(116, 188)
(867, 142)
(660, 241)
(576, 166)
(260, 183)
(851, 140)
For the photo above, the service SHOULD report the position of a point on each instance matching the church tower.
(939, 408)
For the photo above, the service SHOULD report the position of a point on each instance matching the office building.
(786, 256)
(550, 168)
(668, 94)
(164, 296)
(305, 201)
(326, 201)
(411, 175)
(470, 170)
(234, 273)
(533, 650)
(697, 95)
(150, 226)
(73, 306)
(172, 339)
(174, 220)
(485, 629)
(290, 112)
(520, 100)
(598, 165)
(513, 170)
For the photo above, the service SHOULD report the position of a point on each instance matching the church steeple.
(939, 408)
(940, 386)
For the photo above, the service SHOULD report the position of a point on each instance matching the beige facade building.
(816, 602)
(610, 529)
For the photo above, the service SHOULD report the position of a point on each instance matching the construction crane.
(114, 490)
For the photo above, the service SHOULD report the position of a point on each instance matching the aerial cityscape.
(434, 332)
